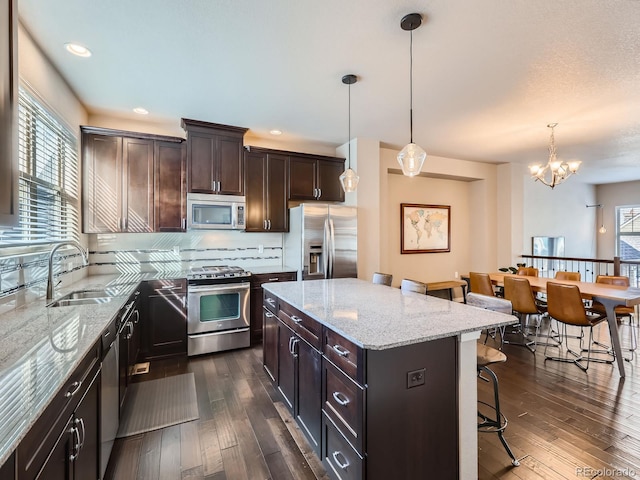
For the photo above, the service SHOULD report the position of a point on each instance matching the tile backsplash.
(23, 276)
(170, 252)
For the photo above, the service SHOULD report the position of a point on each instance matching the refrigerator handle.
(326, 249)
(332, 243)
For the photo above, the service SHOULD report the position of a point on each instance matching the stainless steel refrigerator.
(322, 241)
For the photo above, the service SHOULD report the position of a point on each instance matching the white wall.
(611, 196)
(560, 212)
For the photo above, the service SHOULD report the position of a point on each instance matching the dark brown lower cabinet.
(69, 450)
(8, 469)
(165, 318)
(270, 339)
(355, 405)
(255, 304)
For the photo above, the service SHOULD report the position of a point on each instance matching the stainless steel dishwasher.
(109, 397)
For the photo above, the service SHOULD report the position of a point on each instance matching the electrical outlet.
(176, 249)
(415, 378)
(260, 248)
(455, 274)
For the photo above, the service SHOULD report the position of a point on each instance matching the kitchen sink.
(84, 297)
(72, 302)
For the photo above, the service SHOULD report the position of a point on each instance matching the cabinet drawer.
(303, 325)
(163, 287)
(109, 335)
(261, 278)
(270, 302)
(34, 449)
(345, 354)
(340, 460)
(343, 403)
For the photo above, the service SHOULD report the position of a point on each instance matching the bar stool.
(382, 278)
(497, 422)
(413, 286)
(491, 303)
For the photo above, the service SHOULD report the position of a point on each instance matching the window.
(48, 177)
(628, 232)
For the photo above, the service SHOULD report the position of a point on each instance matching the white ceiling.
(489, 75)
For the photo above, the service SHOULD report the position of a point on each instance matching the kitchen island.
(381, 382)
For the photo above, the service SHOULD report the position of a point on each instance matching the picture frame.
(425, 228)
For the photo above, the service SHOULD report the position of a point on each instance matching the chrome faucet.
(72, 243)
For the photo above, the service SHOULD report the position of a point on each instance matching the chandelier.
(555, 171)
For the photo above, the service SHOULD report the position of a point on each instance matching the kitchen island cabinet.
(259, 278)
(398, 395)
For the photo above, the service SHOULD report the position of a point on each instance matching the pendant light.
(411, 157)
(602, 228)
(349, 178)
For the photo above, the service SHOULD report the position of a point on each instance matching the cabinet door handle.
(340, 398)
(76, 445)
(264, 224)
(80, 421)
(184, 224)
(75, 386)
(137, 312)
(269, 224)
(343, 352)
(340, 464)
(294, 344)
(290, 347)
(219, 186)
(319, 195)
(276, 279)
(297, 320)
(213, 185)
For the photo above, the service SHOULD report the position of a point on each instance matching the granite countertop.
(378, 317)
(40, 347)
(277, 269)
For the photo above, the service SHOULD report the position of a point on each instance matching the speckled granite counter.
(380, 317)
(40, 347)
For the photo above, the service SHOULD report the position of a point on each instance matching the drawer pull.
(344, 465)
(340, 398)
(269, 314)
(75, 386)
(343, 352)
(271, 302)
(296, 319)
(274, 279)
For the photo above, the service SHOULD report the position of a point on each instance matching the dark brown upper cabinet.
(313, 177)
(265, 185)
(170, 190)
(214, 158)
(127, 178)
(8, 112)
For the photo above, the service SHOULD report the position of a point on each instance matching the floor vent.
(140, 368)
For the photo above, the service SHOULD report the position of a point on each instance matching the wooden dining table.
(610, 296)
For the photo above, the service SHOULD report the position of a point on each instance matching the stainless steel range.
(218, 313)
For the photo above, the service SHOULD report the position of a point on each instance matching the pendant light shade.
(411, 158)
(349, 178)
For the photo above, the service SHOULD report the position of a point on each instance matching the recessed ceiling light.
(275, 131)
(77, 49)
(141, 111)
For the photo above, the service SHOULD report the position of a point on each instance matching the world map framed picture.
(425, 228)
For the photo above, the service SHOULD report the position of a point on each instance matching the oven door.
(213, 308)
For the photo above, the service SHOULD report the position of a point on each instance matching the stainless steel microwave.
(215, 212)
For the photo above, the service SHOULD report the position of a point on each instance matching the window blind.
(48, 177)
(628, 232)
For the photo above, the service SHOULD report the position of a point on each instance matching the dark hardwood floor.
(563, 423)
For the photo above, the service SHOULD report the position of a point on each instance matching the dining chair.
(561, 275)
(527, 271)
(382, 278)
(480, 283)
(518, 292)
(565, 305)
(496, 304)
(621, 311)
(413, 286)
